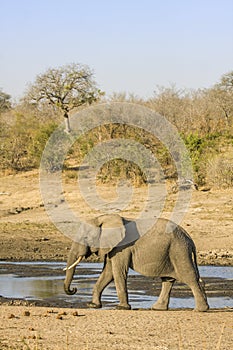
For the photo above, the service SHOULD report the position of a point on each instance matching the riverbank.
(28, 241)
(27, 234)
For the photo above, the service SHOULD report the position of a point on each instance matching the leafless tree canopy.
(65, 88)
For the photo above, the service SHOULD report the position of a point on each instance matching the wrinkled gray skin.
(165, 251)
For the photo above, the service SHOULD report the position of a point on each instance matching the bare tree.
(226, 82)
(172, 103)
(65, 88)
(222, 93)
(4, 101)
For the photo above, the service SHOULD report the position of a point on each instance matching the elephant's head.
(99, 235)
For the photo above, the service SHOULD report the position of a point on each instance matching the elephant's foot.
(202, 308)
(123, 307)
(160, 306)
(94, 305)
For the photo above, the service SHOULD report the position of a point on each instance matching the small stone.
(32, 337)
(31, 329)
(59, 317)
(11, 316)
(50, 311)
(26, 313)
(75, 313)
(62, 313)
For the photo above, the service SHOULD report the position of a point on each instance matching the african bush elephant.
(165, 251)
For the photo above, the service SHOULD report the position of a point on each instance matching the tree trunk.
(67, 123)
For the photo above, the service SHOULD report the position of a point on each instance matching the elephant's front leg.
(120, 273)
(104, 279)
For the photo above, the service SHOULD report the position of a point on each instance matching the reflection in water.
(28, 287)
(45, 287)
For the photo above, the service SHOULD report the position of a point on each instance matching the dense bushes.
(22, 142)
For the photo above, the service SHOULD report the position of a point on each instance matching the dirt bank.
(26, 232)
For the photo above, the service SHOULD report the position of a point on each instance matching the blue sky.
(131, 46)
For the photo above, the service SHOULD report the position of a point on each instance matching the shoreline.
(216, 286)
(216, 257)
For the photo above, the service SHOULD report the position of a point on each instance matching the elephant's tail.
(200, 281)
(194, 256)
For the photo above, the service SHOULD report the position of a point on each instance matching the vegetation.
(203, 117)
(65, 88)
(4, 101)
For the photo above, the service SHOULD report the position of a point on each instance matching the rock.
(75, 313)
(62, 313)
(50, 311)
(11, 316)
(32, 336)
(26, 313)
(13, 211)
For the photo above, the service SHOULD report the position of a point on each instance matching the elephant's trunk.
(70, 269)
(67, 282)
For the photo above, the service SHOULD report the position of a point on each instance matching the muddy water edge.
(40, 283)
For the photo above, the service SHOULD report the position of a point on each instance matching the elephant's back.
(151, 252)
(162, 235)
(161, 228)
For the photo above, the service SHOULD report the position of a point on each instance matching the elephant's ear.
(112, 232)
(88, 233)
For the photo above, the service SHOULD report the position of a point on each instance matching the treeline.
(204, 119)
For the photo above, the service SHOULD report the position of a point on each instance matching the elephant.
(166, 250)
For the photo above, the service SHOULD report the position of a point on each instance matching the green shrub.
(200, 148)
(122, 169)
(15, 141)
(39, 140)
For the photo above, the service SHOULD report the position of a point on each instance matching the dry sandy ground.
(58, 329)
(27, 234)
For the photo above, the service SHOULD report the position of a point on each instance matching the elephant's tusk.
(74, 264)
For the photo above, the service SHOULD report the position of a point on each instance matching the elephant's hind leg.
(164, 297)
(192, 280)
(199, 295)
